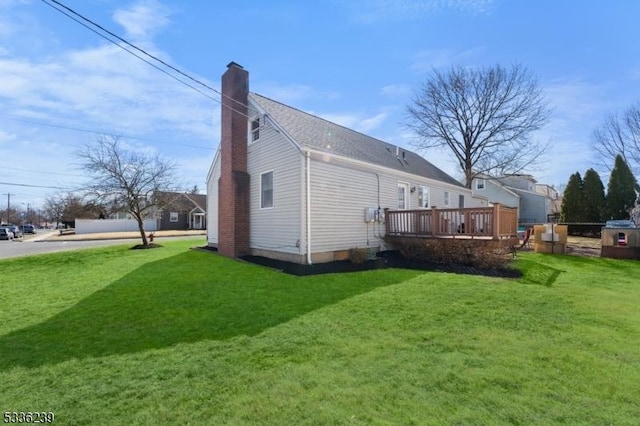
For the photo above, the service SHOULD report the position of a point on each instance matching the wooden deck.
(496, 222)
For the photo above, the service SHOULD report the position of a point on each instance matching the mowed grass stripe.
(180, 336)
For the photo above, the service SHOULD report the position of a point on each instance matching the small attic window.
(255, 129)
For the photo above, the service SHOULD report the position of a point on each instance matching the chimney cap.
(234, 64)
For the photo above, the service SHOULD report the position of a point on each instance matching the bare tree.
(66, 207)
(54, 207)
(619, 135)
(126, 178)
(485, 117)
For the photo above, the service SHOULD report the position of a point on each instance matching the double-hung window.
(423, 197)
(403, 195)
(266, 190)
(255, 129)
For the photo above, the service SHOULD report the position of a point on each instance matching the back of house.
(314, 189)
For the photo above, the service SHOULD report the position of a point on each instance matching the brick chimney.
(233, 185)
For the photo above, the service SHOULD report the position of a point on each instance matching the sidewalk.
(55, 235)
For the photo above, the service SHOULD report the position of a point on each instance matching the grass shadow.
(537, 273)
(186, 298)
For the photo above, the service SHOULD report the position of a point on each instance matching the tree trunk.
(141, 229)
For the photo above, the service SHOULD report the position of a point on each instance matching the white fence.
(91, 226)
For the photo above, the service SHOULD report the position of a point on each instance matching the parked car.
(620, 224)
(28, 229)
(17, 233)
(6, 234)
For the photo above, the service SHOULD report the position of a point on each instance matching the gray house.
(181, 211)
(292, 186)
(535, 202)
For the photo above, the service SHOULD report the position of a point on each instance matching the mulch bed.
(393, 259)
(387, 259)
(143, 247)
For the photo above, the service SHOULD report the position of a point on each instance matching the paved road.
(29, 247)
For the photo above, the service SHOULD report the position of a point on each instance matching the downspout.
(308, 189)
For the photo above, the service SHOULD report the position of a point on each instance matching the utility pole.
(8, 206)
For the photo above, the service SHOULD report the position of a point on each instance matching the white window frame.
(254, 128)
(262, 193)
(174, 216)
(480, 184)
(405, 187)
(446, 198)
(422, 203)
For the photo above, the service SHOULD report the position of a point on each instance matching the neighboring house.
(535, 202)
(182, 211)
(289, 185)
(554, 198)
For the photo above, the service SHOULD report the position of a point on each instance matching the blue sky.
(354, 62)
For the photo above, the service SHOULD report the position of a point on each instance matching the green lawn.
(178, 336)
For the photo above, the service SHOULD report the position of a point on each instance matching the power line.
(122, 47)
(71, 12)
(40, 171)
(77, 129)
(35, 186)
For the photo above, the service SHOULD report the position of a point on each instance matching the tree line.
(585, 201)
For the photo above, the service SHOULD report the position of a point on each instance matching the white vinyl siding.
(341, 191)
(277, 228)
(339, 195)
(212, 203)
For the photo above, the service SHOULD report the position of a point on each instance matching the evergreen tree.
(573, 206)
(594, 199)
(621, 194)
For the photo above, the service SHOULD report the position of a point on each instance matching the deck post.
(434, 220)
(387, 226)
(496, 221)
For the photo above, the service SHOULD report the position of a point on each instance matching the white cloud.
(6, 137)
(294, 93)
(143, 19)
(371, 11)
(107, 88)
(427, 60)
(100, 89)
(578, 107)
(396, 90)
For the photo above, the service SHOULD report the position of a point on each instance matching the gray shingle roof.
(322, 135)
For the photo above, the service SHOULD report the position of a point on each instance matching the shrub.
(482, 254)
(358, 255)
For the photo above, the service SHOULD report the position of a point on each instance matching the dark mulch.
(315, 269)
(387, 259)
(143, 247)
